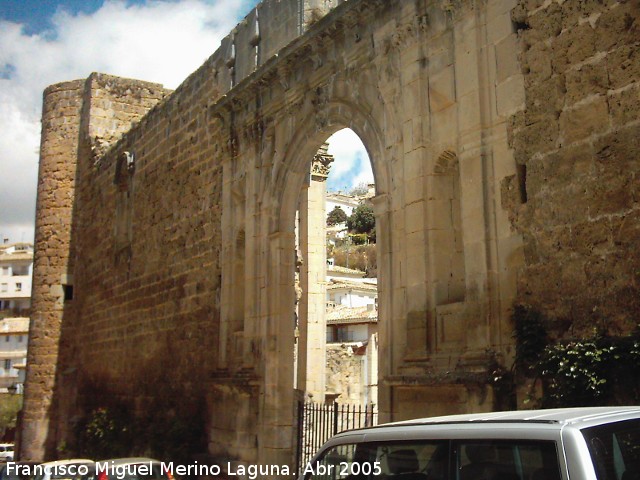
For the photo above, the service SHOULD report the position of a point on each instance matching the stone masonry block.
(626, 229)
(585, 120)
(499, 7)
(507, 57)
(588, 80)
(573, 11)
(412, 103)
(573, 46)
(414, 162)
(466, 69)
(441, 215)
(624, 106)
(538, 137)
(536, 63)
(499, 27)
(442, 92)
(618, 26)
(442, 126)
(624, 65)
(560, 168)
(414, 189)
(441, 51)
(547, 23)
(619, 151)
(415, 217)
(469, 111)
(503, 163)
(440, 187)
(510, 95)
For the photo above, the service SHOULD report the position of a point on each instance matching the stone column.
(313, 274)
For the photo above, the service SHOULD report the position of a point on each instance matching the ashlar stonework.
(503, 136)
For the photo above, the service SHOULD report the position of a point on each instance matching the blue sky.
(43, 42)
(36, 15)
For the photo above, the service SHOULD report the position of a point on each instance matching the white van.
(600, 443)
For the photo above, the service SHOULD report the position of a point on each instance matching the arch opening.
(336, 334)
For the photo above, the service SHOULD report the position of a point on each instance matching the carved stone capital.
(321, 164)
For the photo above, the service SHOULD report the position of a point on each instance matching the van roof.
(580, 417)
(557, 415)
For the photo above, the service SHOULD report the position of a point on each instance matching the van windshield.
(438, 460)
(615, 450)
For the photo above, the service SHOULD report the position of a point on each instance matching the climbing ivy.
(105, 433)
(599, 370)
(577, 373)
(113, 432)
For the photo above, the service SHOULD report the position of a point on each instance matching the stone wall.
(575, 199)
(344, 373)
(136, 198)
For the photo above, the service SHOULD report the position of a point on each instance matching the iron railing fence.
(317, 422)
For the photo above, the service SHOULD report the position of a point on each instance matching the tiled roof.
(337, 284)
(342, 314)
(14, 325)
(351, 271)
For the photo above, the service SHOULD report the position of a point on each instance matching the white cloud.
(351, 166)
(158, 41)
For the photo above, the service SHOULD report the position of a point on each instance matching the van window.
(615, 450)
(375, 460)
(506, 460)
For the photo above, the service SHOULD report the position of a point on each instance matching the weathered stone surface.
(588, 80)
(546, 23)
(583, 121)
(540, 136)
(624, 66)
(624, 106)
(573, 46)
(545, 98)
(537, 62)
(584, 189)
(618, 26)
(175, 214)
(619, 150)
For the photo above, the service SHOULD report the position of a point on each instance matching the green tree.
(336, 216)
(10, 405)
(362, 219)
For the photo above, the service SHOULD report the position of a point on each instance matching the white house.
(352, 336)
(16, 267)
(346, 202)
(352, 354)
(14, 334)
(352, 293)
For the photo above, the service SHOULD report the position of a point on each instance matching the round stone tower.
(52, 289)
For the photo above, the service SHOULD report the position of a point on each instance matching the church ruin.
(503, 136)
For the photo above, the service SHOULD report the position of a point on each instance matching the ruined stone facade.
(503, 137)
